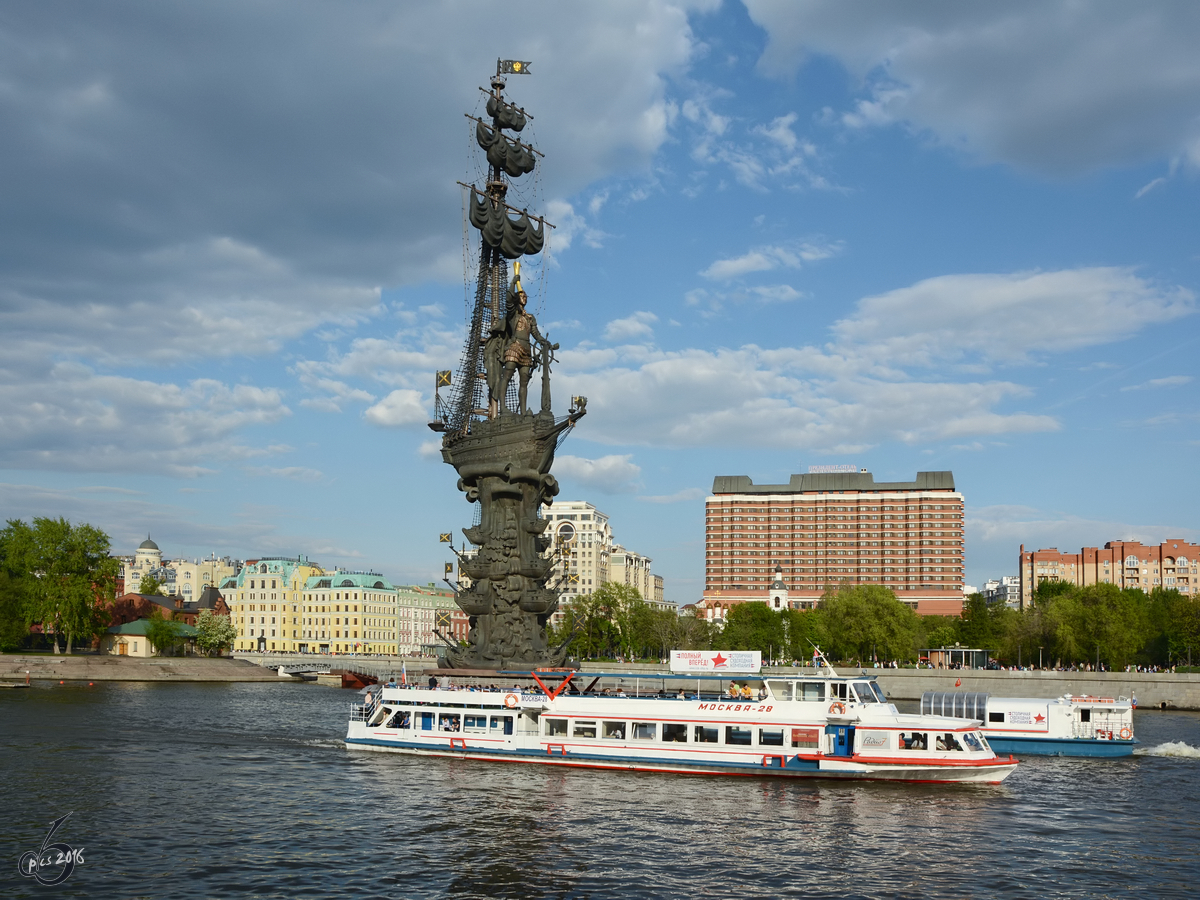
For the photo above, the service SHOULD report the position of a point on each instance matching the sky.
(912, 237)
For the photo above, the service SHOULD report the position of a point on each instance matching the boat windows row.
(451, 722)
(680, 733)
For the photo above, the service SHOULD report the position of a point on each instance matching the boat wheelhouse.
(1070, 725)
(820, 724)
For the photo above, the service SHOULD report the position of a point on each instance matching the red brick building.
(827, 529)
(1128, 564)
(131, 607)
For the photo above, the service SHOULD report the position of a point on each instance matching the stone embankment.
(88, 667)
(1157, 690)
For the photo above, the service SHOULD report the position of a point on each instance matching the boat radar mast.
(501, 448)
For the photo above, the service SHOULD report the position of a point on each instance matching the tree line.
(62, 577)
(1067, 625)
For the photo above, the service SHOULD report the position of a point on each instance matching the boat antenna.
(820, 656)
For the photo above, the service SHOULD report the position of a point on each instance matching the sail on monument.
(500, 446)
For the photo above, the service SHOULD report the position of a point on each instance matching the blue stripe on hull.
(793, 765)
(1034, 746)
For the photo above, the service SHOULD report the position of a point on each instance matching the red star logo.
(719, 661)
(1039, 718)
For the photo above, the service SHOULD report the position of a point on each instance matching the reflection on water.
(215, 790)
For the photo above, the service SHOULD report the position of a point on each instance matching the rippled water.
(186, 790)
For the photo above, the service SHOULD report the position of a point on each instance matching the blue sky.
(908, 236)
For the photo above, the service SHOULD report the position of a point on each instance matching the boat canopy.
(956, 704)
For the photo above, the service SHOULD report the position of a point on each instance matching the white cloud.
(860, 390)
(399, 408)
(169, 229)
(768, 258)
(630, 328)
(1169, 381)
(68, 417)
(1040, 529)
(1053, 85)
(614, 474)
(1009, 317)
(1148, 187)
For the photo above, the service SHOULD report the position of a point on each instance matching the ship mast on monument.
(500, 446)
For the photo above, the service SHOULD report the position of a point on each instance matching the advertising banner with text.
(714, 662)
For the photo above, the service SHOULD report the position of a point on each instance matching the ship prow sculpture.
(501, 448)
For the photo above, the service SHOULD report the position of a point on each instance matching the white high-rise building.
(582, 543)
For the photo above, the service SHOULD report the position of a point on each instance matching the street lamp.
(1039, 656)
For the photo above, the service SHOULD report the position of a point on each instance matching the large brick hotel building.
(826, 529)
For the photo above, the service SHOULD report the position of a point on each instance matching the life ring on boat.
(511, 701)
(1126, 734)
(838, 707)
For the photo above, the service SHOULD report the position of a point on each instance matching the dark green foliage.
(64, 572)
(149, 585)
(753, 626)
(164, 634)
(868, 622)
(14, 619)
(1069, 625)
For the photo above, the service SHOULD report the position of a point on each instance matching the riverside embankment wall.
(1160, 690)
(1152, 690)
(87, 667)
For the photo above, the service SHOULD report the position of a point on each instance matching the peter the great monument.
(500, 446)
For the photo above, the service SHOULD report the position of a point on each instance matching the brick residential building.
(1127, 564)
(827, 529)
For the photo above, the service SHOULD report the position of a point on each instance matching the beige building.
(627, 567)
(348, 612)
(265, 602)
(193, 576)
(147, 558)
(586, 557)
(1174, 564)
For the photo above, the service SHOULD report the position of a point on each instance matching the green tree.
(214, 632)
(149, 585)
(804, 630)
(753, 626)
(868, 618)
(627, 613)
(14, 620)
(694, 633)
(944, 635)
(665, 631)
(66, 572)
(162, 633)
(975, 629)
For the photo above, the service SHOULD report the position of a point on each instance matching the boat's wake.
(1171, 748)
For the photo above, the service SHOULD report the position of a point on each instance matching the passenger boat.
(816, 725)
(1066, 726)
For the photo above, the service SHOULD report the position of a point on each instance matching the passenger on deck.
(747, 692)
(681, 695)
(433, 682)
(734, 691)
(762, 692)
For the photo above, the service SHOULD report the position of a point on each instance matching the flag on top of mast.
(512, 67)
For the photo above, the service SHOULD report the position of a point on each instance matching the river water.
(220, 790)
